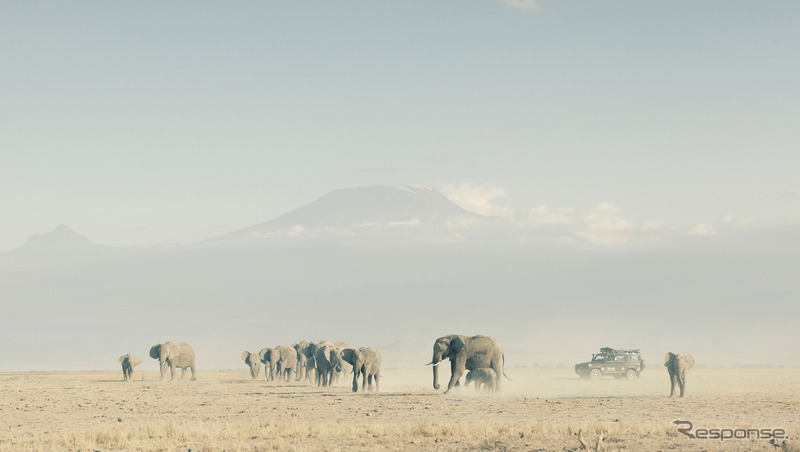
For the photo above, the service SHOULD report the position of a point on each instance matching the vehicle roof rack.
(618, 350)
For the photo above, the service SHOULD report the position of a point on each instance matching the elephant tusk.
(434, 365)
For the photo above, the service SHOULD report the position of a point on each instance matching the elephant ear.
(262, 355)
(134, 360)
(456, 346)
(668, 357)
(349, 356)
(689, 360)
(245, 355)
(122, 358)
(155, 351)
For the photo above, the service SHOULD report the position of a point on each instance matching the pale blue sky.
(156, 122)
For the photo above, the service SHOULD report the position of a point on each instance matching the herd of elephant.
(326, 361)
(481, 355)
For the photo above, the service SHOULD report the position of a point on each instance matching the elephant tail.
(504, 368)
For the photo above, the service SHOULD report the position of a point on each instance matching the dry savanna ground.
(541, 409)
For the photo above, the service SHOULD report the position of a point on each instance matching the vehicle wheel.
(595, 374)
(630, 374)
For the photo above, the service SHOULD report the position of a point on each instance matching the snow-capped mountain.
(362, 207)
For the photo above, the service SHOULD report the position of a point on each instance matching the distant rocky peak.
(60, 237)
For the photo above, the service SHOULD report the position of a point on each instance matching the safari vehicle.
(612, 362)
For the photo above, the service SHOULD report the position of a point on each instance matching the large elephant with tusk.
(174, 355)
(467, 353)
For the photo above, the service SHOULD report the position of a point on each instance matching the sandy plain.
(541, 409)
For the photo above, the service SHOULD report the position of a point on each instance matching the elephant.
(483, 376)
(302, 359)
(252, 360)
(346, 367)
(282, 361)
(310, 352)
(366, 361)
(677, 365)
(327, 362)
(128, 363)
(467, 353)
(174, 355)
(265, 356)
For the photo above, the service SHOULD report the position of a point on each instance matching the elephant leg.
(498, 375)
(682, 383)
(673, 378)
(457, 367)
(377, 384)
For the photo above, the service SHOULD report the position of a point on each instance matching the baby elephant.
(128, 363)
(483, 376)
